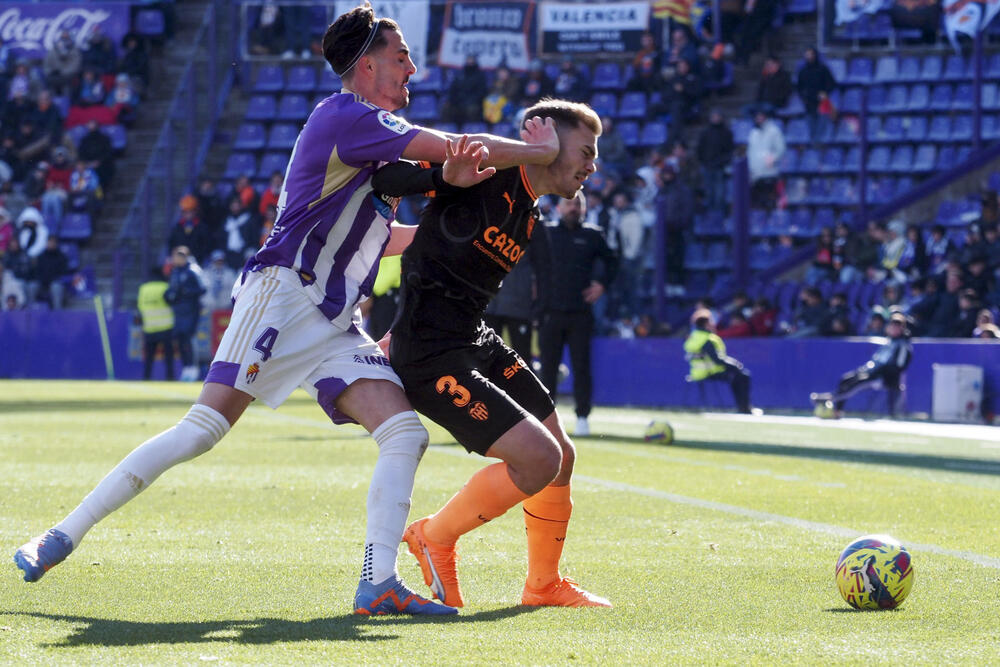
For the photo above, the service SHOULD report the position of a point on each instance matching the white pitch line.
(804, 524)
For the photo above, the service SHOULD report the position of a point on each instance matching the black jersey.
(467, 241)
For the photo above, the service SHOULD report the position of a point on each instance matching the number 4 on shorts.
(265, 343)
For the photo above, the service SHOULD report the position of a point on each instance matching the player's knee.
(568, 456)
(402, 434)
(546, 461)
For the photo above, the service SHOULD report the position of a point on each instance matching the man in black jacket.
(582, 266)
(884, 370)
(715, 152)
(675, 211)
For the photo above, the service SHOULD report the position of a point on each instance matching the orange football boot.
(438, 563)
(562, 593)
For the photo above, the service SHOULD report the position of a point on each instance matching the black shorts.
(477, 391)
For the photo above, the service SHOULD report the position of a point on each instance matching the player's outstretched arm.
(461, 169)
(541, 146)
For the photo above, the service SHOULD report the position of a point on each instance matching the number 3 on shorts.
(265, 343)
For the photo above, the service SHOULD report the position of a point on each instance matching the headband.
(361, 51)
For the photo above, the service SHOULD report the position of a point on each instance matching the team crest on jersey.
(394, 123)
(478, 411)
(252, 371)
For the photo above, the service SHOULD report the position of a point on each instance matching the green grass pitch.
(719, 548)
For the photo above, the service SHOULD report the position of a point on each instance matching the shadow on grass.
(90, 631)
(870, 456)
(90, 405)
(852, 610)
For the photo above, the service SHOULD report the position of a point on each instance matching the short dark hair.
(565, 114)
(347, 35)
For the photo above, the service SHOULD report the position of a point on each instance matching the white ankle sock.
(401, 440)
(195, 434)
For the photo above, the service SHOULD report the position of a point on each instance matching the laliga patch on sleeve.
(394, 123)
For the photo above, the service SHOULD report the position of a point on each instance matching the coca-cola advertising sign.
(30, 29)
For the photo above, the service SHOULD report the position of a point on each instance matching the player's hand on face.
(541, 132)
(462, 165)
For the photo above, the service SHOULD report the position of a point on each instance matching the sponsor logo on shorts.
(252, 371)
(372, 360)
(512, 370)
(478, 411)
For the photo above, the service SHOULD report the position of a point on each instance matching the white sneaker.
(288, 54)
(189, 374)
(305, 54)
(582, 427)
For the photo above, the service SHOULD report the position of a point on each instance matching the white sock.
(195, 434)
(401, 440)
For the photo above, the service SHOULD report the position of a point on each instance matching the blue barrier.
(644, 371)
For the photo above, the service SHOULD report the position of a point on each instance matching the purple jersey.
(331, 227)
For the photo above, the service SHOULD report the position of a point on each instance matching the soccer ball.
(824, 409)
(874, 572)
(659, 431)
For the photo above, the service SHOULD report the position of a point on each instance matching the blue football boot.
(43, 553)
(393, 597)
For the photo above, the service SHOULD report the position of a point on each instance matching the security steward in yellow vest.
(157, 323)
(706, 353)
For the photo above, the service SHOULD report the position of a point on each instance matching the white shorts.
(278, 340)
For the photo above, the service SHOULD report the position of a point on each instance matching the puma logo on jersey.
(510, 202)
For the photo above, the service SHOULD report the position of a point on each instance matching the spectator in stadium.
(760, 15)
(570, 84)
(763, 316)
(875, 326)
(706, 354)
(183, 293)
(189, 232)
(814, 82)
(267, 36)
(775, 87)
(647, 77)
(157, 324)
(685, 165)
(123, 97)
(984, 318)
(581, 267)
(765, 149)
(34, 184)
(614, 154)
(48, 119)
(99, 52)
(51, 267)
(921, 303)
(682, 94)
(503, 98)
(297, 30)
(913, 261)
(821, 267)
(648, 58)
(883, 371)
(977, 276)
(969, 307)
(135, 62)
(942, 321)
(95, 149)
(939, 249)
(890, 251)
(682, 48)
(811, 314)
(32, 233)
(675, 212)
(464, 99)
(90, 91)
(715, 153)
(210, 205)
(18, 272)
(7, 229)
(24, 84)
(627, 236)
(859, 252)
(991, 244)
(536, 84)
(271, 194)
(84, 190)
(63, 63)
(737, 327)
(838, 320)
(241, 229)
(219, 280)
(246, 191)
(267, 224)
(30, 143)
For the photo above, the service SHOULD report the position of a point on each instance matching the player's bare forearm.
(402, 236)
(540, 146)
(505, 153)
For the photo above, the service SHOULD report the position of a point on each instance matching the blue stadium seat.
(654, 133)
(272, 162)
(629, 131)
(945, 158)
(633, 105)
(823, 218)
(989, 97)
(920, 98)
(809, 162)
(716, 256)
(895, 99)
(301, 79)
(76, 133)
(779, 222)
(758, 222)
(915, 127)
(941, 97)
(269, 79)
(116, 133)
(607, 76)
(240, 164)
(725, 82)
(877, 99)
(843, 192)
(432, 81)
(990, 129)
(694, 256)
(924, 160)
(329, 83)
(149, 22)
(956, 68)
(282, 137)
(850, 101)
(262, 107)
(796, 7)
(892, 129)
(450, 128)
(605, 104)
(838, 68)
(796, 190)
(423, 108)
(940, 129)
(878, 159)
(475, 127)
(293, 107)
(886, 69)
(801, 223)
(760, 256)
(72, 251)
(852, 160)
(992, 66)
(76, 227)
(833, 160)
(847, 131)
(793, 108)
(961, 128)
(250, 137)
(931, 68)
(859, 71)
(789, 162)
(902, 159)
(741, 129)
(873, 129)
(962, 99)
(909, 69)
(797, 131)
